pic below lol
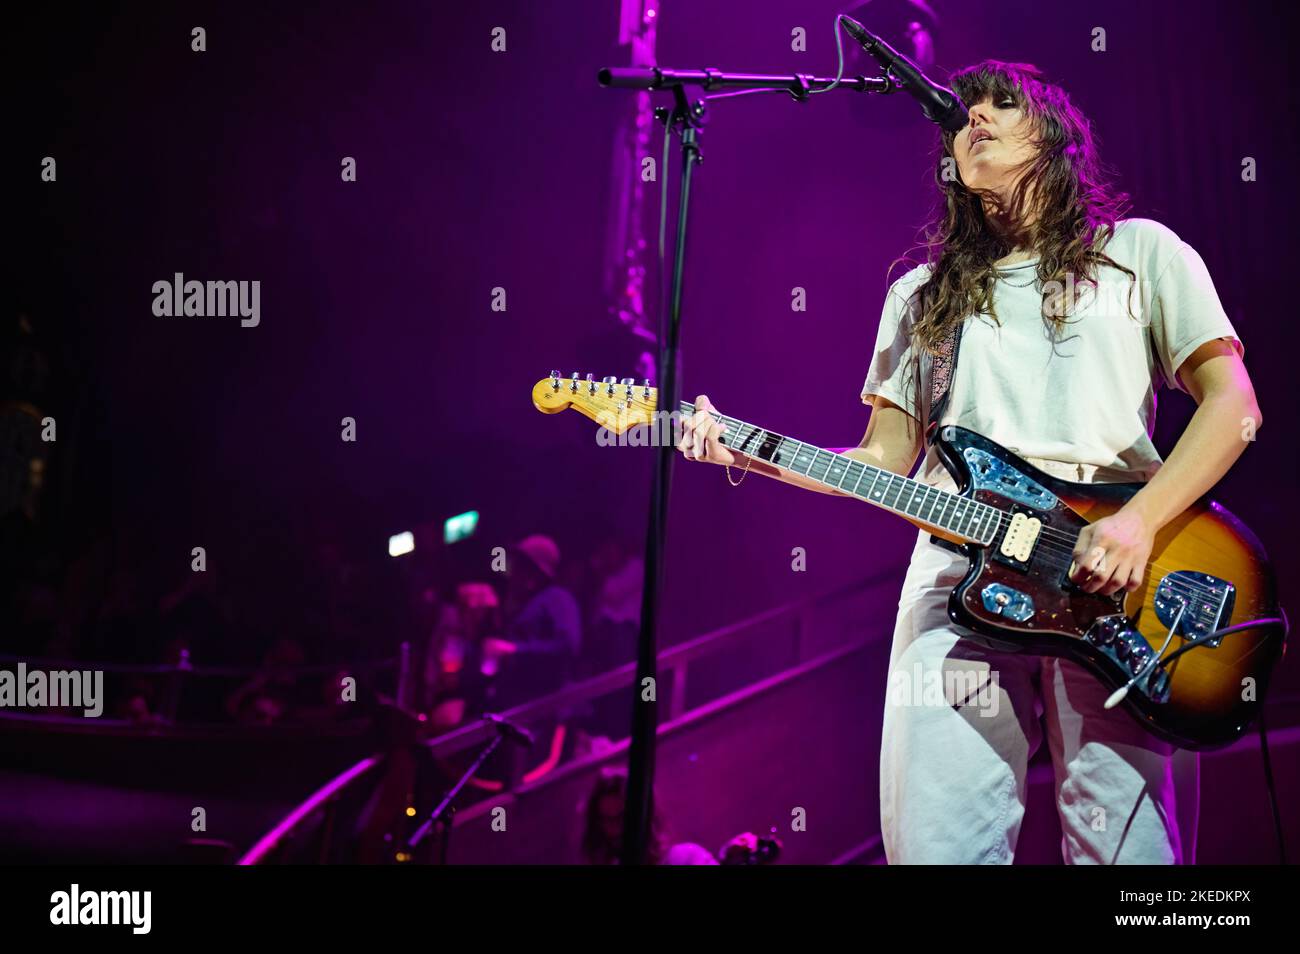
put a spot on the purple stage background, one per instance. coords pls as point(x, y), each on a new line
point(477, 170)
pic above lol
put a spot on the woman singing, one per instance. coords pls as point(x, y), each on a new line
point(1066, 317)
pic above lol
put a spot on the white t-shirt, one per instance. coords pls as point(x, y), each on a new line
point(1086, 395)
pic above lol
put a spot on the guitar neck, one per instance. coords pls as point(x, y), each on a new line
point(917, 502)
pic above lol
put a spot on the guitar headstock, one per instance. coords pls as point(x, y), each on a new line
point(612, 403)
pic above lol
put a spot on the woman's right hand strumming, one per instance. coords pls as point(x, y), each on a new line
point(701, 435)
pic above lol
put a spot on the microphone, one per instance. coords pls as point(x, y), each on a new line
point(510, 731)
point(940, 105)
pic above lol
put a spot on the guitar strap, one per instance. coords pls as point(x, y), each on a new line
point(942, 367)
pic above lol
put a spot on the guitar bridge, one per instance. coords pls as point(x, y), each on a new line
point(1208, 600)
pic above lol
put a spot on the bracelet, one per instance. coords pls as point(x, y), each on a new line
point(736, 483)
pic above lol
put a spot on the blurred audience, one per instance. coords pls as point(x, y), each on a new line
point(478, 645)
point(617, 572)
point(266, 696)
point(542, 639)
point(456, 672)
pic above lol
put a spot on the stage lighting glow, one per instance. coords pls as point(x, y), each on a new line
point(460, 526)
point(401, 543)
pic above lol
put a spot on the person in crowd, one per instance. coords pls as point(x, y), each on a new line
point(543, 631)
point(618, 573)
point(456, 672)
point(266, 697)
point(602, 837)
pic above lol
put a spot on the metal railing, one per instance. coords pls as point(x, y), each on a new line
point(674, 662)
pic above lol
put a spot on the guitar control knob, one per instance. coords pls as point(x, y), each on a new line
point(1121, 648)
point(1106, 631)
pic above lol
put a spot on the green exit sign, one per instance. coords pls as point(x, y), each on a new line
point(460, 526)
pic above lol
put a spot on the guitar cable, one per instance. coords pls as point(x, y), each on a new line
point(1280, 621)
point(1272, 792)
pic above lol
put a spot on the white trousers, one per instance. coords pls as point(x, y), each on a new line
point(961, 722)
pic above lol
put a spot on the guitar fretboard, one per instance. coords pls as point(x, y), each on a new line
point(910, 498)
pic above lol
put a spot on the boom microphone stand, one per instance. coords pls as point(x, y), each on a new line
point(687, 119)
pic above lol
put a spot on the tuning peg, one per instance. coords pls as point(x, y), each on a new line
point(591, 385)
point(608, 381)
point(627, 383)
point(555, 380)
point(573, 386)
point(646, 393)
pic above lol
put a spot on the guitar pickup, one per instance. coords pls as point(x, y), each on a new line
point(1018, 542)
point(1019, 539)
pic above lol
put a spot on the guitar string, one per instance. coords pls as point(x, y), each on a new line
point(1048, 533)
point(1065, 540)
point(1049, 545)
point(1180, 586)
point(740, 438)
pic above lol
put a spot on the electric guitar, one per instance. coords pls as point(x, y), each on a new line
point(1189, 653)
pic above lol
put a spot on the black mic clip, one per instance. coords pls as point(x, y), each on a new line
point(508, 730)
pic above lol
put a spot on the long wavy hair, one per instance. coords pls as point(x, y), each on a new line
point(600, 849)
point(1064, 182)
